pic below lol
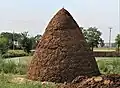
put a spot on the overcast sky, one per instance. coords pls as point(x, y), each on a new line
point(34, 15)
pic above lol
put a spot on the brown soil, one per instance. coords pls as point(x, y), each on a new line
point(62, 54)
point(109, 81)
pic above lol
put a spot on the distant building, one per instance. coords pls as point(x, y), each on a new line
point(112, 45)
point(16, 43)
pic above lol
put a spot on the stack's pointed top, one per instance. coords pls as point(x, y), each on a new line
point(63, 10)
point(62, 20)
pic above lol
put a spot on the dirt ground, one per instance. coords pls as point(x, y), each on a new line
point(103, 81)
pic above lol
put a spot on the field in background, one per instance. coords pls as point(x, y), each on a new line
point(24, 60)
point(105, 49)
point(107, 65)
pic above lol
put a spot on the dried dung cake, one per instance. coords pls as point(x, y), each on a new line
point(103, 81)
point(62, 54)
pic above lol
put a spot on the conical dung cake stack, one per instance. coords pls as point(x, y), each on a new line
point(62, 54)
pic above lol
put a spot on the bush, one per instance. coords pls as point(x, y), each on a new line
point(14, 53)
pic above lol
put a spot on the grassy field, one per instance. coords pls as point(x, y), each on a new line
point(107, 65)
point(105, 49)
point(24, 60)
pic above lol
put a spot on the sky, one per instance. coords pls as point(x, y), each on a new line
point(34, 15)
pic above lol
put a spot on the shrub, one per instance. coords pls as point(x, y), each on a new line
point(14, 53)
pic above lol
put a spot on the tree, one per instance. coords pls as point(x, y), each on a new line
point(38, 37)
point(117, 41)
point(26, 42)
point(15, 39)
point(35, 40)
point(92, 36)
point(3, 45)
point(12, 37)
point(102, 42)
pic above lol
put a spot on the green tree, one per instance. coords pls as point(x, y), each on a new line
point(11, 38)
point(3, 45)
point(117, 41)
point(93, 37)
point(26, 42)
point(35, 40)
point(102, 42)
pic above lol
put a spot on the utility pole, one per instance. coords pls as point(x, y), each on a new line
point(13, 40)
point(110, 37)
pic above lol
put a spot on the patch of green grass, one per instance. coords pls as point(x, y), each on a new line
point(109, 65)
point(10, 66)
point(8, 85)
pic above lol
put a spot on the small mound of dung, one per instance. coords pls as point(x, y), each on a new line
point(103, 81)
